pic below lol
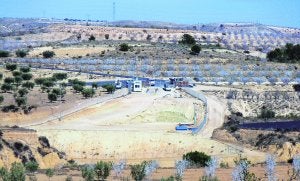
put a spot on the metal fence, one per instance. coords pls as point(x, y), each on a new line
point(201, 97)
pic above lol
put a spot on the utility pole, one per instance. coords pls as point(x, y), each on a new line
point(114, 11)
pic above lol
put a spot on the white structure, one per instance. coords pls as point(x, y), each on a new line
point(137, 86)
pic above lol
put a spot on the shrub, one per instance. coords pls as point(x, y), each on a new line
point(106, 36)
point(11, 67)
point(88, 173)
point(21, 53)
point(124, 47)
point(76, 81)
point(92, 38)
point(187, 40)
point(195, 49)
point(60, 76)
point(31, 166)
point(206, 178)
point(9, 80)
point(102, 169)
point(16, 73)
point(88, 92)
point(94, 85)
point(22, 92)
point(48, 83)
point(27, 76)
point(58, 91)
point(28, 85)
point(4, 53)
point(6, 87)
point(109, 88)
point(17, 172)
point(48, 54)
point(171, 178)
point(4, 174)
point(1, 76)
point(52, 97)
point(18, 80)
point(25, 69)
point(198, 159)
point(224, 165)
point(21, 101)
point(69, 178)
point(1, 98)
point(49, 173)
point(296, 87)
point(138, 171)
point(77, 87)
point(266, 113)
point(288, 54)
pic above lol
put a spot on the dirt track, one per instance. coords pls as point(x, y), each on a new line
point(128, 128)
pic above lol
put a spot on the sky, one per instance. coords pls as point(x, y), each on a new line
point(270, 12)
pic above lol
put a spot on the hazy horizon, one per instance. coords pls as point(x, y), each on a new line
point(271, 12)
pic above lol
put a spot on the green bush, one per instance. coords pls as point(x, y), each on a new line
point(266, 113)
point(4, 53)
point(25, 69)
point(60, 76)
point(88, 92)
point(187, 40)
point(6, 87)
point(102, 169)
point(198, 159)
point(17, 172)
point(22, 92)
point(49, 173)
point(48, 54)
point(224, 165)
point(109, 88)
point(77, 87)
point(52, 97)
point(21, 101)
point(88, 173)
point(171, 178)
point(18, 80)
point(1, 98)
point(31, 166)
point(16, 73)
point(94, 85)
point(11, 67)
point(28, 85)
point(124, 47)
point(48, 83)
point(288, 54)
point(21, 53)
point(195, 49)
point(92, 38)
point(76, 81)
point(138, 171)
point(9, 80)
point(26, 76)
point(4, 174)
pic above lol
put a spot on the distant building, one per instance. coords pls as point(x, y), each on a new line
point(137, 86)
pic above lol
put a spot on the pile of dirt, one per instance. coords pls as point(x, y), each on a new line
point(23, 145)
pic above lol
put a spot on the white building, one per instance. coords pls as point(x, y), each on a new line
point(137, 86)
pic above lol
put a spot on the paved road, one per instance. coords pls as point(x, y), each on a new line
point(87, 103)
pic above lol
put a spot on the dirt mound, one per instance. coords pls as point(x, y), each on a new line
point(23, 145)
